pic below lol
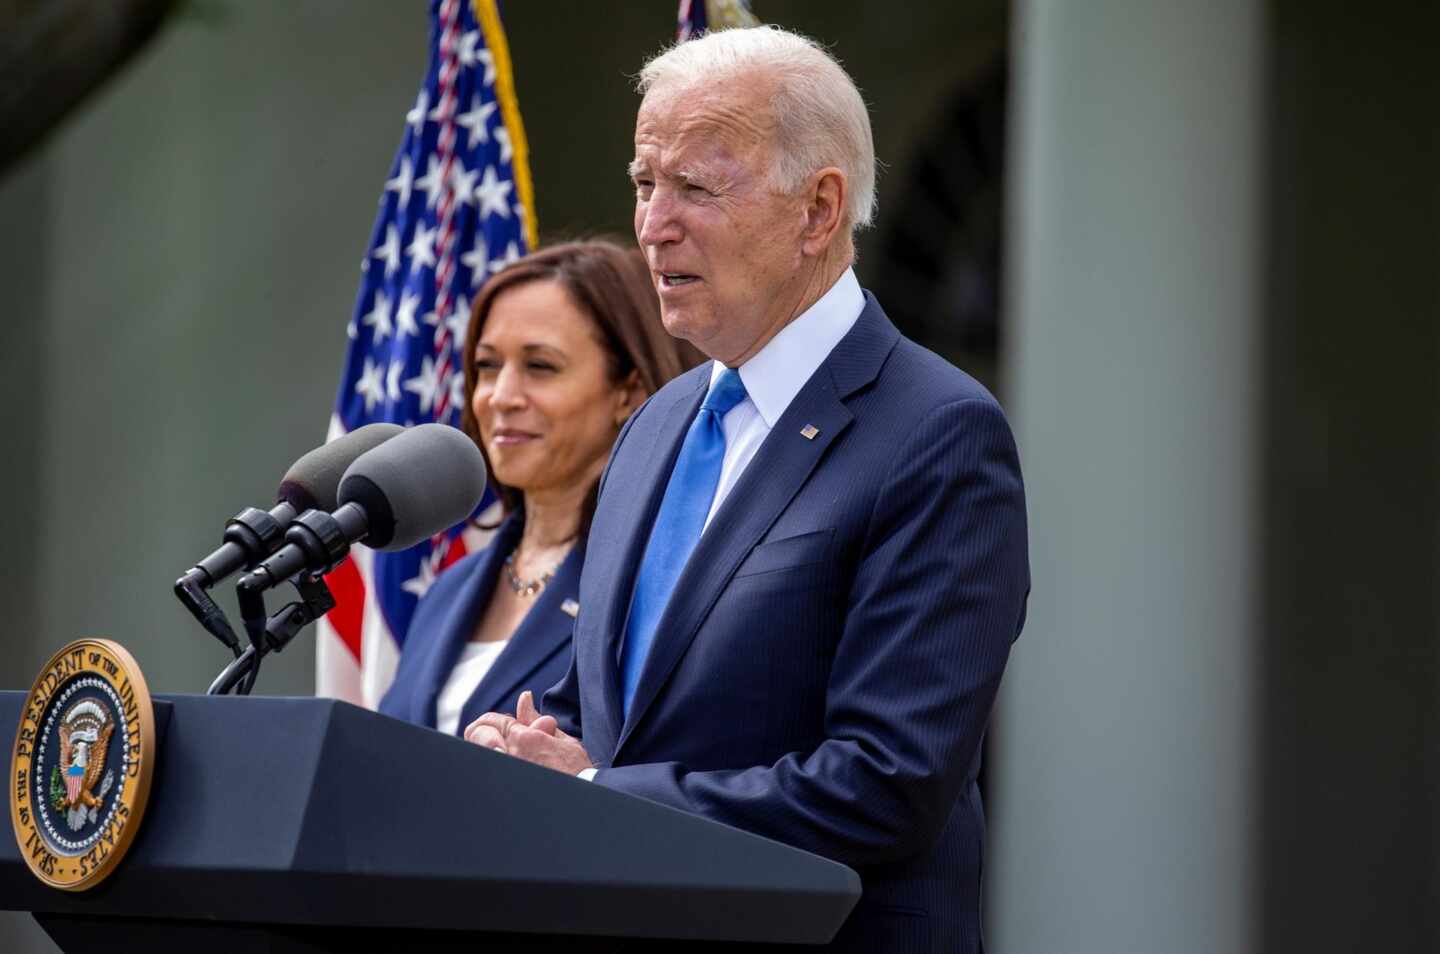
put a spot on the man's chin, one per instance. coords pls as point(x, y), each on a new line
point(682, 323)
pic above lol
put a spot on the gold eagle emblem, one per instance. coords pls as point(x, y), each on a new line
point(85, 730)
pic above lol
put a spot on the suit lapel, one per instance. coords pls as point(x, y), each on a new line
point(638, 497)
point(543, 631)
point(460, 622)
point(771, 480)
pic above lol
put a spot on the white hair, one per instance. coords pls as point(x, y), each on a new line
point(820, 117)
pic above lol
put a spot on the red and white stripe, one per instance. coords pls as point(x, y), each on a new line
point(445, 147)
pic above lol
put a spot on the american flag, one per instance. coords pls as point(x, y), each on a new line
point(697, 16)
point(457, 206)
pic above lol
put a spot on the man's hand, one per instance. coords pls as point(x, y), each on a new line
point(530, 736)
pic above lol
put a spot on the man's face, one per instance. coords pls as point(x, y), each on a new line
point(723, 246)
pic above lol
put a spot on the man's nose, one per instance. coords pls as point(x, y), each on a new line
point(657, 222)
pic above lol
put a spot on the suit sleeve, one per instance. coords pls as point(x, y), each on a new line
point(937, 599)
point(562, 700)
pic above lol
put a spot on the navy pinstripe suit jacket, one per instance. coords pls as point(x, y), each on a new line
point(824, 672)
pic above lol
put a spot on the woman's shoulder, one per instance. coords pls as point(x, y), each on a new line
point(448, 590)
point(468, 562)
point(455, 575)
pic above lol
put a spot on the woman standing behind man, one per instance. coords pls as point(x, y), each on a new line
point(562, 345)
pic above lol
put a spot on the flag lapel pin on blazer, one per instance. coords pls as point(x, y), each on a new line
point(809, 431)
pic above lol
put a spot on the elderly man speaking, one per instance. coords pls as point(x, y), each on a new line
point(808, 559)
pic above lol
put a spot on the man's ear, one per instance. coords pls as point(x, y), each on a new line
point(825, 201)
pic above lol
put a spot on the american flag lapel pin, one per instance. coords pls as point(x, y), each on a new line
point(570, 608)
point(809, 431)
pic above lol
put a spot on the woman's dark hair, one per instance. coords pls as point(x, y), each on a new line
point(611, 284)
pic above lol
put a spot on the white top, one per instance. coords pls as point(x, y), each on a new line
point(475, 661)
point(776, 374)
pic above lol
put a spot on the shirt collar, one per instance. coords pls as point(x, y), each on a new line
point(777, 372)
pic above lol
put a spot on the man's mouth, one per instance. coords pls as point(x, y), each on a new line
point(674, 279)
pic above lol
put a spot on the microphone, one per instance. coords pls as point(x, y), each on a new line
point(406, 490)
point(311, 482)
point(253, 534)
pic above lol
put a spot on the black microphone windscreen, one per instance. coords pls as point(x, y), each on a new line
point(421, 483)
point(313, 481)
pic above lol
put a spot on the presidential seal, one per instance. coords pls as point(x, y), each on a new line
point(82, 763)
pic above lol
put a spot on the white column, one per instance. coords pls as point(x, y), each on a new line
point(1121, 768)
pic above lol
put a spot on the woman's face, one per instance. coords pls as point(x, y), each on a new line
point(547, 410)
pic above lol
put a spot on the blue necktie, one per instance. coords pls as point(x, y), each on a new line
point(677, 526)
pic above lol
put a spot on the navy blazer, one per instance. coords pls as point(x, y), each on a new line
point(535, 659)
point(824, 671)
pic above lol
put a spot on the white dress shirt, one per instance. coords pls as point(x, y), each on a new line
point(776, 374)
point(772, 378)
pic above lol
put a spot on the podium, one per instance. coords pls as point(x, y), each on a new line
point(278, 824)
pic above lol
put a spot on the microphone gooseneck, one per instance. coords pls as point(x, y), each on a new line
point(253, 534)
point(395, 495)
